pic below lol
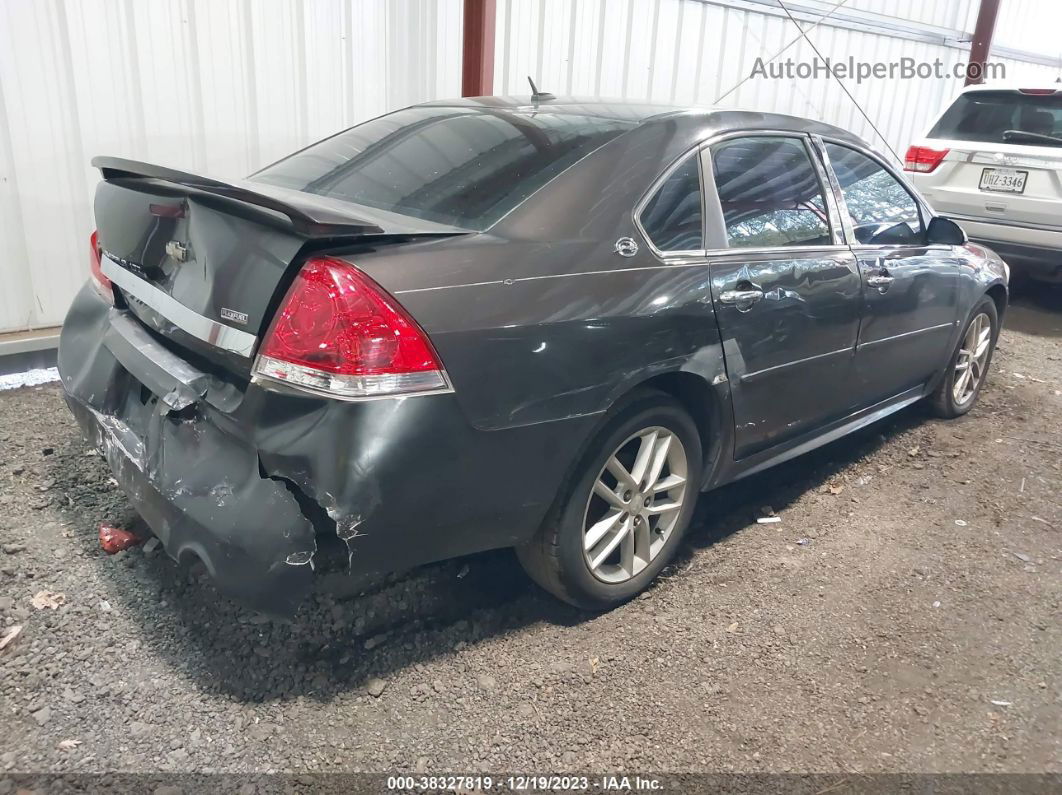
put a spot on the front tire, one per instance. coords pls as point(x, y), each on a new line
point(624, 510)
point(968, 366)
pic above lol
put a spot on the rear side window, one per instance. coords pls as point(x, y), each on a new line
point(672, 218)
point(459, 166)
point(770, 193)
point(883, 212)
point(1003, 117)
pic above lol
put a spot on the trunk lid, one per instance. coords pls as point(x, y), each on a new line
point(204, 263)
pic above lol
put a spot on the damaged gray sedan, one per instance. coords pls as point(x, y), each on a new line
point(489, 323)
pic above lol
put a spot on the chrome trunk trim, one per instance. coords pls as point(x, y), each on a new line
point(199, 326)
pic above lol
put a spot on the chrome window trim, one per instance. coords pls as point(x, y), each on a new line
point(199, 326)
point(835, 188)
point(838, 229)
point(829, 248)
point(636, 214)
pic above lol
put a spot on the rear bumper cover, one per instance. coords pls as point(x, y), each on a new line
point(260, 485)
point(247, 530)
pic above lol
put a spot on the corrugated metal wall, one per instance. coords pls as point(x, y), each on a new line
point(691, 51)
point(225, 86)
point(213, 86)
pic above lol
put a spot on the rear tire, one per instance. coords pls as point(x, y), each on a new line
point(968, 366)
point(610, 535)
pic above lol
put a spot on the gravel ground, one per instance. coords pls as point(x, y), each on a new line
point(903, 616)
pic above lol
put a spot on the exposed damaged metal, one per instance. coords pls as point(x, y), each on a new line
point(347, 531)
point(326, 530)
point(302, 558)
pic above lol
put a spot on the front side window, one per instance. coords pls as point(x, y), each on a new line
point(672, 218)
point(770, 193)
point(883, 212)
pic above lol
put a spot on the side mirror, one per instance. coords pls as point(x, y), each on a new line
point(945, 232)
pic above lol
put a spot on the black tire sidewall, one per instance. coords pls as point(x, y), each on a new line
point(986, 306)
point(574, 572)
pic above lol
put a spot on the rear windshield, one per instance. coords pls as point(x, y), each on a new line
point(1003, 117)
point(458, 166)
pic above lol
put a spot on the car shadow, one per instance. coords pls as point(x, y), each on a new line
point(334, 645)
point(731, 508)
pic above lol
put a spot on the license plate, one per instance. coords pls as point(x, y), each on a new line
point(1003, 180)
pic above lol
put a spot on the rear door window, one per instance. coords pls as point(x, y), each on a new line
point(458, 166)
point(770, 193)
point(882, 210)
point(1003, 117)
point(672, 218)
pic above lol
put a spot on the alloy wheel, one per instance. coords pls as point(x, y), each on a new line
point(973, 356)
point(634, 505)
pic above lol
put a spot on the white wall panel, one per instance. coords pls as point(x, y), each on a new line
point(696, 52)
point(692, 52)
point(226, 86)
point(221, 87)
point(1033, 25)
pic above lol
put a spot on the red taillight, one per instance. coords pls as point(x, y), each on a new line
point(923, 159)
point(1037, 92)
point(99, 281)
point(338, 333)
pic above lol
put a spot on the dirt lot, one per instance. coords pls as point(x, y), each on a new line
point(903, 616)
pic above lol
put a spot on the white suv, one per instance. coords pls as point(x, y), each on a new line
point(993, 162)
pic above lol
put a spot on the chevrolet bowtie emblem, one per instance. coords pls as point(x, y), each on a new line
point(177, 250)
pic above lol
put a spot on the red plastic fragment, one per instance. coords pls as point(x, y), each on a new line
point(114, 539)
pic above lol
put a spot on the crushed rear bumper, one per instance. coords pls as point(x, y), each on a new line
point(203, 496)
point(270, 489)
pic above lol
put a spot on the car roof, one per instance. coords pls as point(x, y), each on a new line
point(700, 120)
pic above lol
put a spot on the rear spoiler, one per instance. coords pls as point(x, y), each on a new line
point(307, 217)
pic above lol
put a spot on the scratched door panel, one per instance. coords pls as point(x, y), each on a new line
point(789, 355)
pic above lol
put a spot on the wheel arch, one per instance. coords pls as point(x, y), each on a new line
point(998, 293)
point(707, 404)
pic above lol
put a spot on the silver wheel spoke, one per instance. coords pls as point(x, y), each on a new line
point(659, 458)
point(668, 483)
point(643, 543)
point(627, 554)
point(601, 529)
point(609, 547)
point(620, 473)
point(645, 456)
point(660, 508)
point(960, 387)
point(608, 495)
